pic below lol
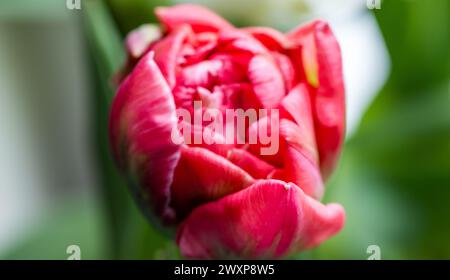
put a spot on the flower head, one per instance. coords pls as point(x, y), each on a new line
point(227, 190)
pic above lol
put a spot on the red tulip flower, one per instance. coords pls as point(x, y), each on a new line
point(228, 199)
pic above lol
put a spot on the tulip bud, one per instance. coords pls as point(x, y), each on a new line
point(229, 133)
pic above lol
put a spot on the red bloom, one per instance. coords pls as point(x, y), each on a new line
point(229, 199)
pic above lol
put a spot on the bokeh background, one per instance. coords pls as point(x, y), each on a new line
point(59, 187)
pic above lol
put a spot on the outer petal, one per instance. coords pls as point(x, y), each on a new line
point(300, 166)
point(141, 121)
point(202, 176)
point(269, 219)
point(319, 43)
point(300, 155)
point(198, 17)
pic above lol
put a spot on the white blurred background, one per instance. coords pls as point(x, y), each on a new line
point(45, 141)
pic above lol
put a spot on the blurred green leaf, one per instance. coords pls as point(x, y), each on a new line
point(105, 40)
point(417, 35)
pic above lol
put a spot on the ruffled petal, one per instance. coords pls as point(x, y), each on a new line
point(269, 219)
point(141, 122)
point(322, 63)
point(256, 167)
point(241, 43)
point(267, 81)
point(212, 72)
point(201, 46)
point(202, 176)
point(298, 105)
point(238, 96)
point(211, 140)
point(167, 52)
point(198, 17)
point(287, 70)
point(297, 157)
point(271, 38)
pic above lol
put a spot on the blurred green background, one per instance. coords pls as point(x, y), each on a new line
point(59, 186)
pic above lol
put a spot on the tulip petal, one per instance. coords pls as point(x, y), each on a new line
point(238, 95)
point(212, 72)
point(298, 105)
point(328, 100)
point(299, 165)
point(271, 38)
point(211, 140)
point(237, 41)
point(200, 74)
point(139, 40)
point(287, 70)
point(267, 127)
point(167, 52)
point(198, 17)
point(256, 167)
point(202, 176)
point(267, 81)
point(203, 45)
point(141, 122)
point(269, 219)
